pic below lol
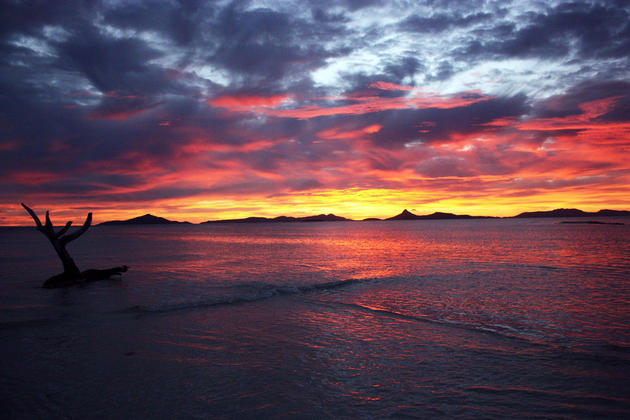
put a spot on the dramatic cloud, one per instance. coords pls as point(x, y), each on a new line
point(198, 110)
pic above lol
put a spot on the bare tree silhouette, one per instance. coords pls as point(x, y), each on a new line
point(71, 273)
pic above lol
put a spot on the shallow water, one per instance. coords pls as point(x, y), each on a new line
point(480, 318)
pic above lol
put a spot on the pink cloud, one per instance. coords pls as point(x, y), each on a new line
point(246, 102)
point(390, 86)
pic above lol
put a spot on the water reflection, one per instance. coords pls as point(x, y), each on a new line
point(360, 250)
point(536, 279)
point(498, 318)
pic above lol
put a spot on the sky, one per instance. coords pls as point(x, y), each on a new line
point(201, 110)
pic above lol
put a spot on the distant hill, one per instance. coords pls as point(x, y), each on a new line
point(323, 218)
point(591, 222)
point(407, 215)
point(612, 213)
point(574, 213)
point(284, 219)
point(147, 219)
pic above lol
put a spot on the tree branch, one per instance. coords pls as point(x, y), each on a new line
point(49, 226)
point(63, 230)
point(81, 231)
point(34, 216)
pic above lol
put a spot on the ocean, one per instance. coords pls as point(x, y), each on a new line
point(491, 318)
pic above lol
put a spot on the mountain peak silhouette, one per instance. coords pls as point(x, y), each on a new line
point(147, 219)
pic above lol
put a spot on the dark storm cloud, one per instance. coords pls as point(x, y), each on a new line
point(404, 67)
point(29, 17)
point(181, 21)
point(359, 83)
point(111, 64)
point(87, 144)
point(321, 15)
point(44, 86)
point(620, 111)
point(442, 22)
point(258, 43)
point(351, 5)
point(443, 72)
point(396, 71)
point(570, 103)
point(460, 6)
point(269, 44)
point(591, 30)
point(432, 124)
point(121, 107)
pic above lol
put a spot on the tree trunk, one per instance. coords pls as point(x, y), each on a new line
point(69, 266)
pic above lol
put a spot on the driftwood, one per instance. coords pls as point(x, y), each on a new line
point(71, 274)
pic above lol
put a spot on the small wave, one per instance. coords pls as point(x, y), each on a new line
point(614, 353)
point(248, 292)
point(494, 329)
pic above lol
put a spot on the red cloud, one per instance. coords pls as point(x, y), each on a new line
point(336, 133)
point(245, 102)
point(25, 177)
point(8, 145)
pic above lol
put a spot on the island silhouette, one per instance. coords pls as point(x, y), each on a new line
point(149, 219)
point(407, 215)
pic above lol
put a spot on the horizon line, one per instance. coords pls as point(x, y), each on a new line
point(411, 214)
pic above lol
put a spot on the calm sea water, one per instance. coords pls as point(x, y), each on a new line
point(481, 318)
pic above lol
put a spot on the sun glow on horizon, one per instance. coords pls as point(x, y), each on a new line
point(353, 204)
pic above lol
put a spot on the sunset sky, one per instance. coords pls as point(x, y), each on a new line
point(210, 110)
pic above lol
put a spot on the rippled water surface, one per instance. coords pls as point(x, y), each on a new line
point(480, 318)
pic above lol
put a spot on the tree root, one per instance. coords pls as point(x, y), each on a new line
point(66, 280)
